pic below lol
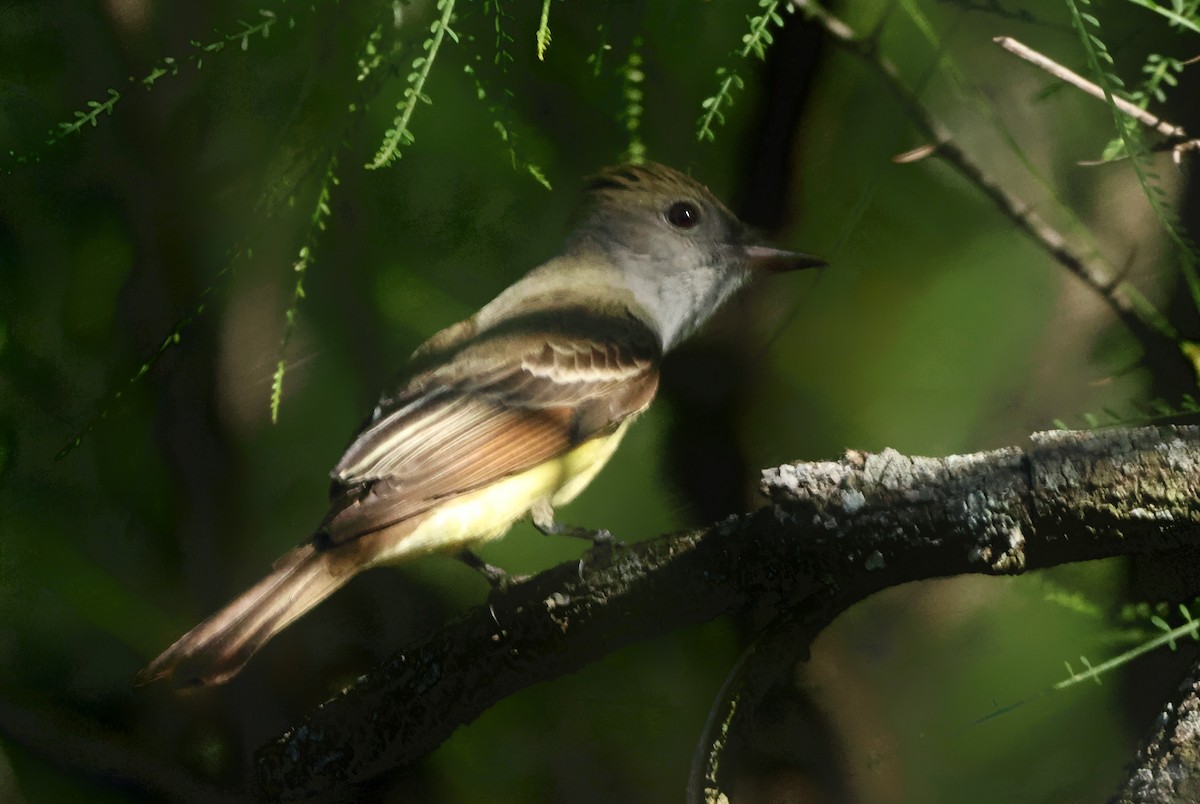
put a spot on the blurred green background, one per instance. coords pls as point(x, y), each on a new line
point(939, 329)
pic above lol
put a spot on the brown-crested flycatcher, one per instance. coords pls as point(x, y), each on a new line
point(512, 411)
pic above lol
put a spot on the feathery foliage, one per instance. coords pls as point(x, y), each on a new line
point(172, 339)
point(603, 48)
point(543, 31)
point(371, 56)
point(1160, 72)
point(755, 42)
point(167, 66)
point(1154, 411)
point(317, 220)
point(501, 111)
point(399, 135)
point(1168, 637)
point(632, 78)
point(1184, 13)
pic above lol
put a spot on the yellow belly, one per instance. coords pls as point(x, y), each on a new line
point(488, 513)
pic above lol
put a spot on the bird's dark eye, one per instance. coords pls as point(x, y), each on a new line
point(683, 214)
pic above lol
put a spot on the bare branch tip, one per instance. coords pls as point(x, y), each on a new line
point(915, 155)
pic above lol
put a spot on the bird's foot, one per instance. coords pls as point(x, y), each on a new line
point(543, 520)
point(499, 579)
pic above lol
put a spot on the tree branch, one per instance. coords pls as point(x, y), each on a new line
point(1044, 62)
point(834, 533)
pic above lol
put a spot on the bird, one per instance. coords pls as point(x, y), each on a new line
point(511, 412)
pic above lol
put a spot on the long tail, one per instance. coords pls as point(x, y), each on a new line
point(215, 650)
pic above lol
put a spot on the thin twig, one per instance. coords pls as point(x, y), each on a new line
point(1178, 142)
point(1076, 80)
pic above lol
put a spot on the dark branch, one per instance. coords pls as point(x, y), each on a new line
point(834, 533)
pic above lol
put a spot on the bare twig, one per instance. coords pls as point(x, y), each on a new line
point(835, 533)
point(1177, 142)
point(1076, 80)
point(1158, 338)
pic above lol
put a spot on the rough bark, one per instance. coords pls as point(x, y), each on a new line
point(833, 533)
point(1167, 769)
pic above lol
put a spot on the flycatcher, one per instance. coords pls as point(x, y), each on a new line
point(512, 411)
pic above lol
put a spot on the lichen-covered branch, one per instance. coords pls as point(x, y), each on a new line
point(834, 533)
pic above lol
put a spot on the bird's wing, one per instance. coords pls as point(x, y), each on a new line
point(486, 414)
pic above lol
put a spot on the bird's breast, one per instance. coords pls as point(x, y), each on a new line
point(487, 513)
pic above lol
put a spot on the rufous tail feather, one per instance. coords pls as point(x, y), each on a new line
point(218, 648)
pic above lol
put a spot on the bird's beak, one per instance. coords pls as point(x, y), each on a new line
point(776, 260)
